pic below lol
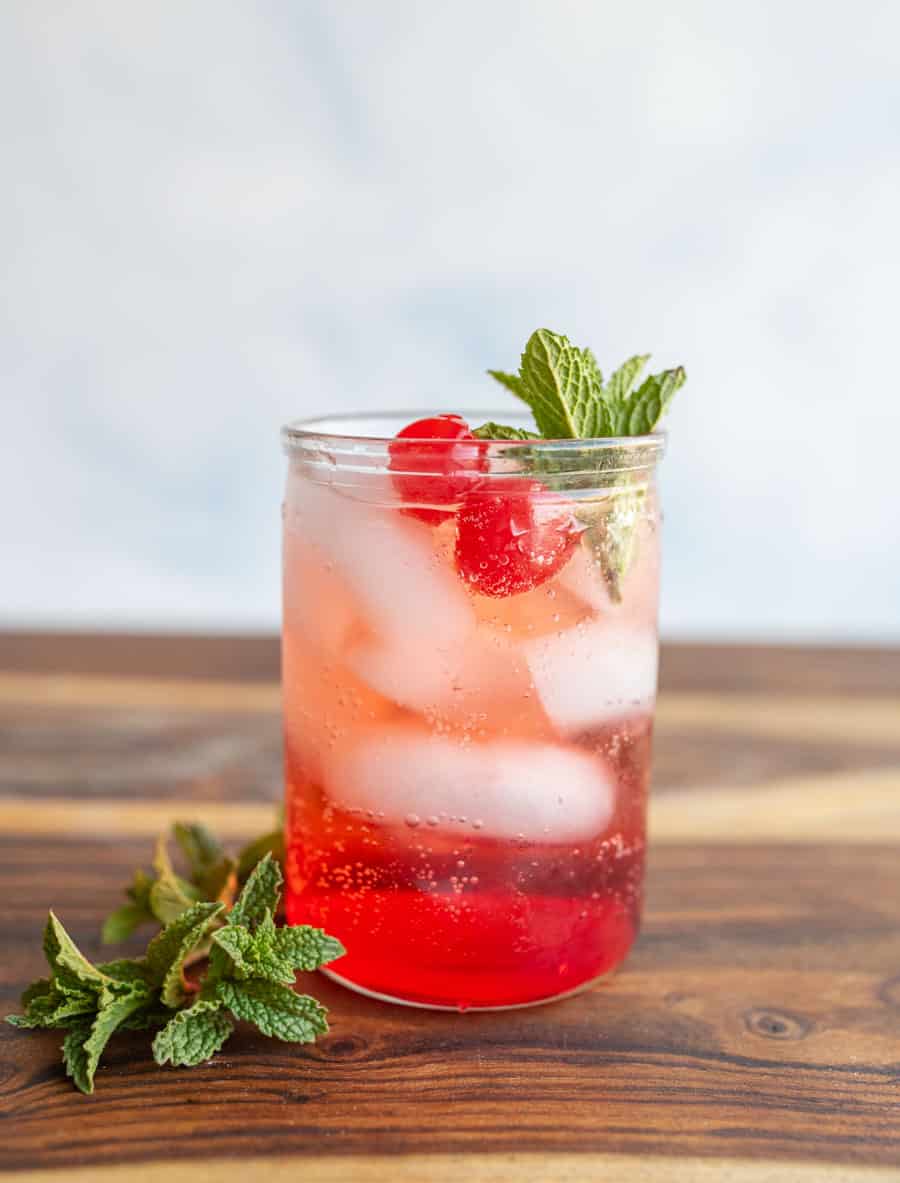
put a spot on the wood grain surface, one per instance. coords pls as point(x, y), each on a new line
point(752, 1036)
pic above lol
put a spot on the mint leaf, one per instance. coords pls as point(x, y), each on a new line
point(558, 381)
point(612, 533)
point(275, 1010)
point(115, 1010)
point(496, 431)
point(153, 1014)
point(120, 924)
point(307, 948)
point(52, 1007)
point(170, 895)
point(512, 382)
point(260, 895)
point(127, 970)
point(238, 943)
point(85, 1042)
point(72, 972)
point(271, 843)
point(168, 951)
point(619, 386)
point(75, 1057)
point(563, 385)
point(593, 369)
point(648, 405)
point(193, 1035)
point(275, 954)
point(201, 848)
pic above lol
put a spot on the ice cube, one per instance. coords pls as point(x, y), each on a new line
point(468, 676)
point(583, 578)
point(500, 789)
point(594, 673)
point(388, 562)
point(317, 603)
point(325, 705)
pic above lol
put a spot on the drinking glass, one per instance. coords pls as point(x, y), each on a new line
point(469, 670)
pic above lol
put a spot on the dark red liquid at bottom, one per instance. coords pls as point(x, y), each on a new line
point(572, 917)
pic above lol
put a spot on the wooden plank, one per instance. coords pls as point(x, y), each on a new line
point(752, 1036)
point(721, 668)
point(152, 655)
point(758, 1018)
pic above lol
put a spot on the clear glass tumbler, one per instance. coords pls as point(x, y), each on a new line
point(469, 668)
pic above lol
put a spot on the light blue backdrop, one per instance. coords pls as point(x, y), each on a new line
point(219, 215)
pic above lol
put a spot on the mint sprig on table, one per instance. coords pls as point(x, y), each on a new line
point(564, 388)
point(250, 967)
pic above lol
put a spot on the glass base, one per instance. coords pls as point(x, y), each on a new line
point(366, 992)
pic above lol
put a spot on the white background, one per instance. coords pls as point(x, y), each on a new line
point(215, 216)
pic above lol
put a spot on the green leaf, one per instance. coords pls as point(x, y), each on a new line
point(219, 880)
point(201, 848)
point(307, 948)
point(276, 1010)
point(167, 952)
point(139, 891)
point(512, 382)
point(593, 370)
point(237, 942)
point(150, 1015)
point(119, 925)
point(496, 431)
point(76, 1058)
point(255, 954)
point(168, 900)
point(83, 1046)
point(128, 969)
point(38, 992)
point(618, 388)
point(193, 1035)
point(71, 969)
point(612, 534)
point(558, 381)
point(260, 894)
point(564, 387)
point(52, 1007)
point(274, 954)
point(271, 843)
point(651, 401)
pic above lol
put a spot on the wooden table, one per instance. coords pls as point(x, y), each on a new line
point(753, 1035)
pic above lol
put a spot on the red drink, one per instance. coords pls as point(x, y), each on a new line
point(468, 739)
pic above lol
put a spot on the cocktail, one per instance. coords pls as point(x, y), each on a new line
point(469, 668)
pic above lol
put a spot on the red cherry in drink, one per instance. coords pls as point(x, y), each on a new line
point(513, 536)
point(435, 461)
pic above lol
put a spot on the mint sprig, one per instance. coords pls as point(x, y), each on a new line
point(213, 875)
point(249, 976)
point(564, 388)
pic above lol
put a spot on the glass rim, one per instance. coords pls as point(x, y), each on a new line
point(299, 434)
